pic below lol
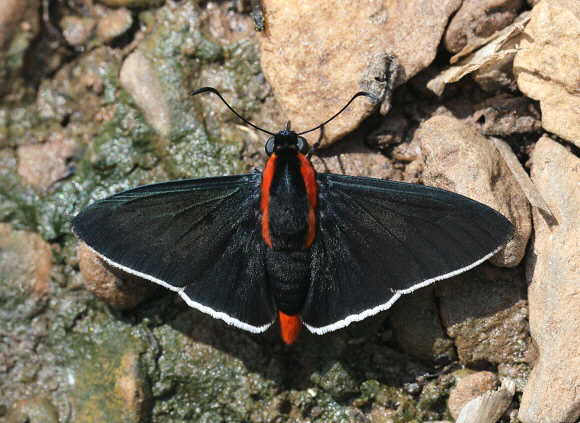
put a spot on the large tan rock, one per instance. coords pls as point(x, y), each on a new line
point(553, 270)
point(460, 159)
point(316, 55)
point(546, 65)
point(112, 285)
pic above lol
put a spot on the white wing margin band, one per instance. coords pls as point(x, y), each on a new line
point(213, 313)
point(372, 311)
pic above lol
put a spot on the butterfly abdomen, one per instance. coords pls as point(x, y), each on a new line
point(288, 227)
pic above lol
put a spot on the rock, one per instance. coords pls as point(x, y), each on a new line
point(546, 65)
point(112, 285)
point(114, 24)
point(33, 410)
point(478, 19)
point(132, 387)
point(506, 115)
point(41, 165)
point(158, 75)
point(489, 61)
point(485, 312)
point(12, 14)
point(315, 53)
point(25, 261)
point(109, 381)
point(457, 158)
point(19, 25)
point(520, 174)
point(516, 372)
point(498, 76)
point(418, 329)
point(352, 158)
point(132, 3)
point(77, 30)
point(139, 78)
point(77, 92)
point(391, 131)
point(552, 393)
point(488, 407)
point(469, 387)
point(337, 380)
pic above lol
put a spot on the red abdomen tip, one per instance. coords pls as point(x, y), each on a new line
point(289, 327)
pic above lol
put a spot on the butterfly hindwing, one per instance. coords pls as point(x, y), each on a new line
point(199, 237)
point(379, 239)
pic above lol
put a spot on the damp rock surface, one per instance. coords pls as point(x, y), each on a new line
point(79, 121)
point(485, 313)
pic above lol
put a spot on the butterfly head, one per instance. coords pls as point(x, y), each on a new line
point(287, 142)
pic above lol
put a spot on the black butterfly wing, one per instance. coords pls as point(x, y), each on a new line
point(199, 237)
point(380, 239)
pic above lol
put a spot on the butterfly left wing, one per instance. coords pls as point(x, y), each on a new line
point(198, 237)
point(378, 239)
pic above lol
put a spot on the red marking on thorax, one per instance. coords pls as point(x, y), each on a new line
point(266, 182)
point(309, 176)
point(289, 327)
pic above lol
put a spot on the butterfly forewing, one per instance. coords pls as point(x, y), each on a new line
point(379, 239)
point(200, 237)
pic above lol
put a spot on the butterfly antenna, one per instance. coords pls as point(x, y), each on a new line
point(216, 92)
point(360, 93)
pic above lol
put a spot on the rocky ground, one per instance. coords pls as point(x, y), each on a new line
point(478, 97)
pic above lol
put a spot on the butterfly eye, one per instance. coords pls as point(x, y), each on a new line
point(270, 146)
point(303, 146)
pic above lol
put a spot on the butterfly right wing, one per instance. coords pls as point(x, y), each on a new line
point(378, 239)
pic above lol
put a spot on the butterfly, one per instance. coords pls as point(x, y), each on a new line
point(318, 250)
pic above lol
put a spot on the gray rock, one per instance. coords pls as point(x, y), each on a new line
point(418, 328)
point(504, 116)
point(552, 393)
point(459, 159)
point(139, 78)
